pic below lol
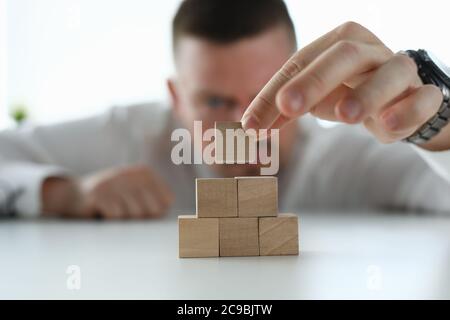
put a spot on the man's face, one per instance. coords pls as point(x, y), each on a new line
point(216, 82)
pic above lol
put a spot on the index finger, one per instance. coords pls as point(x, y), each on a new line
point(262, 111)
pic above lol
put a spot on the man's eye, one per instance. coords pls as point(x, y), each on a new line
point(215, 102)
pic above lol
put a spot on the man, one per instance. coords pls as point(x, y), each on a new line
point(118, 165)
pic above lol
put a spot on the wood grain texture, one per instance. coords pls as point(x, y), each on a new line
point(237, 154)
point(216, 197)
point(278, 235)
point(198, 238)
point(257, 196)
point(238, 237)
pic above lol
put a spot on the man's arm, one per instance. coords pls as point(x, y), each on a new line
point(357, 171)
point(402, 176)
point(72, 169)
point(124, 192)
point(28, 157)
point(62, 196)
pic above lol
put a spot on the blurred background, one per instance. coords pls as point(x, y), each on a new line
point(66, 59)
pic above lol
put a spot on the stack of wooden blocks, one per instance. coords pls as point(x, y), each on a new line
point(237, 217)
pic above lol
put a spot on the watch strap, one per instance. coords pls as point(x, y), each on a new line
point(429, 73)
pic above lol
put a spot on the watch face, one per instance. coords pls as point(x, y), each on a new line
point(439, 64)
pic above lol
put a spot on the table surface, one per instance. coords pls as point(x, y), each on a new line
point(359, 255)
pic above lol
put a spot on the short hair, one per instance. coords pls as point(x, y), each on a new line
point(226, 21)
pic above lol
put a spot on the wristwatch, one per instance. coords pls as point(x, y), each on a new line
point(431, 71)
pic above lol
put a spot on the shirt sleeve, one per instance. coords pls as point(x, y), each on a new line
point(400, 176)
point(438, 161)
point(30, 155)
point(22, 184)
point(345, 167)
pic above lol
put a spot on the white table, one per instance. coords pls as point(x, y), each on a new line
point(358, 255)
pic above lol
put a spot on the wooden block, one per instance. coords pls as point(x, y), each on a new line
point(198, 238)
point(278, 235)
point(216, 197)
point(239, 153)
point(238, 237)
point(257, 196)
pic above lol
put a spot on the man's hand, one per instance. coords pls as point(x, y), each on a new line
point(349, 75)
point(132, 192)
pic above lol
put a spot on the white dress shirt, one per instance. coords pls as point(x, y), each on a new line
point(338, 168)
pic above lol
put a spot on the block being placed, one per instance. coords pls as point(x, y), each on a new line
point(216, 197)
point(257, 196)
point(198, 238)
point(234, 147)
point(278, 235)
point(238, 237)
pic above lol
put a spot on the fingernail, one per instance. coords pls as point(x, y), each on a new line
point(391, 121)
point(250, 123)
point(350, 110)
point(295, 101)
